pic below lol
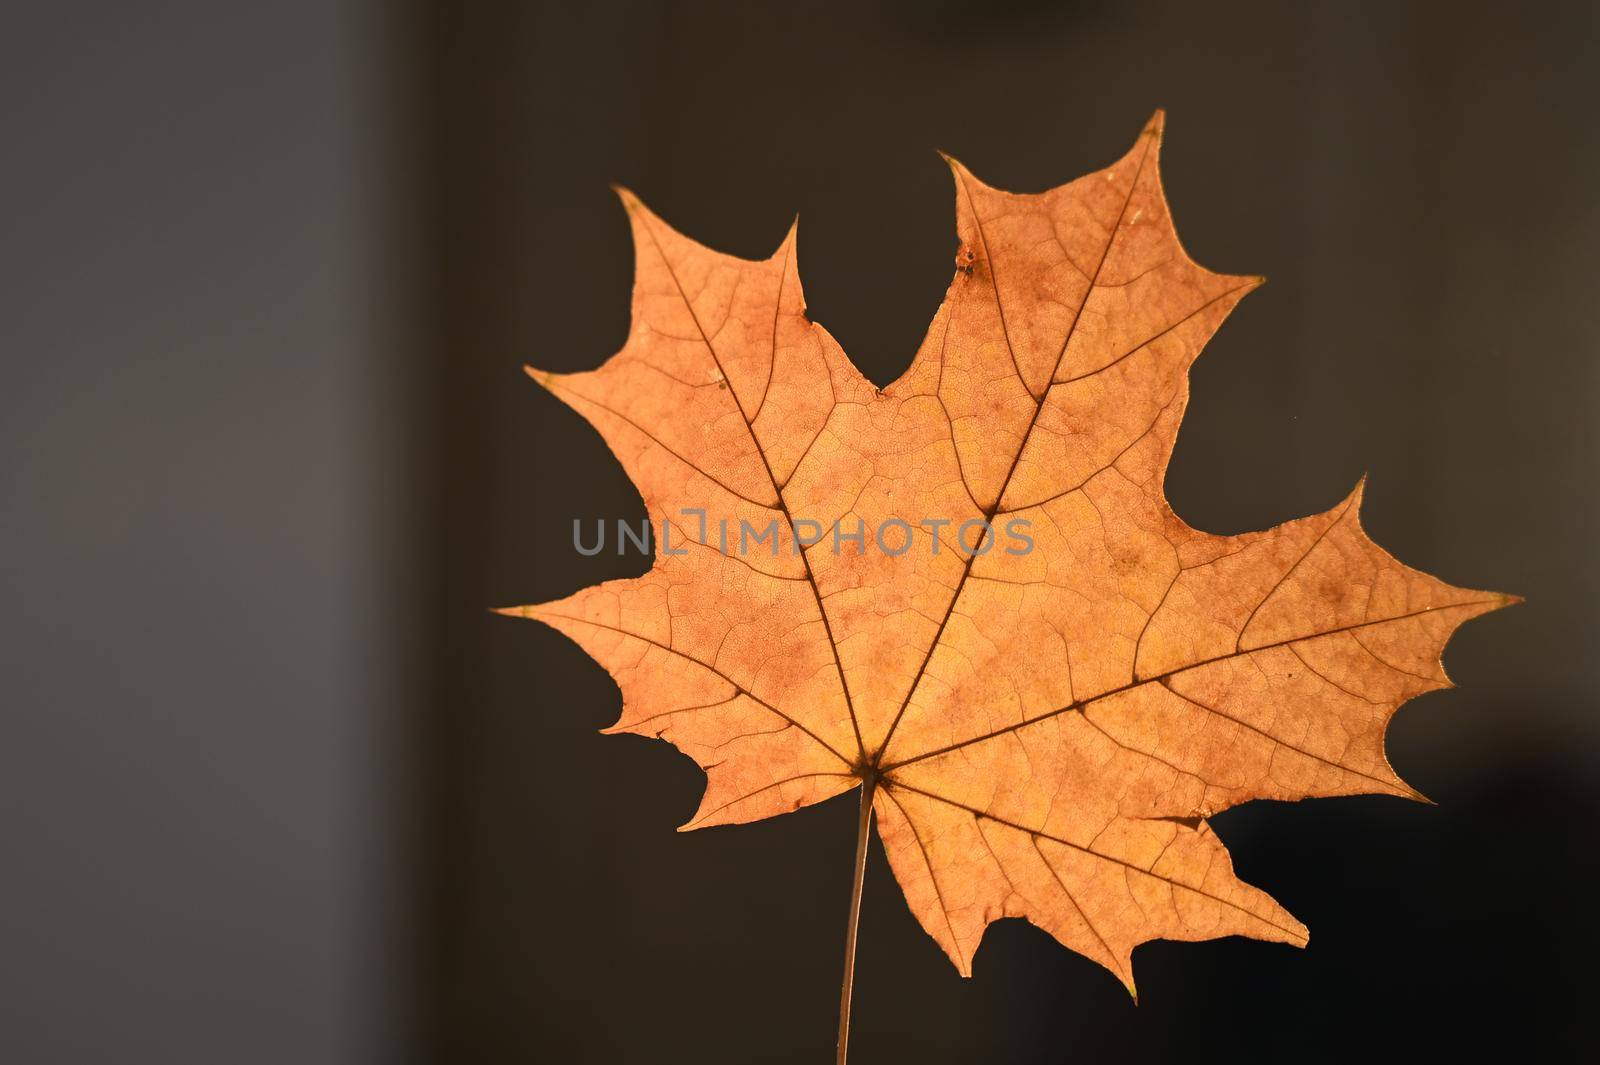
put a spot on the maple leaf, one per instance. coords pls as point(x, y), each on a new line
point(1039, 733)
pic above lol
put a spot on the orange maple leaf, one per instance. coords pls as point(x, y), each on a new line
point(1040, 732)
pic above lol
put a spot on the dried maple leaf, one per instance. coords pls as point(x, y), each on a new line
point(1040, 733)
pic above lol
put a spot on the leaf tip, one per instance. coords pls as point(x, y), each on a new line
point(630, 202)
point(544, 378)
point(1409, 792)
point(790, 236)
point(957, 167)
point(1156, 124)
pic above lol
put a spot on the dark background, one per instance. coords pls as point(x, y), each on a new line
point(274, 785)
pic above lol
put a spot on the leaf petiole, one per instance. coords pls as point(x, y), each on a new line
point(847, 985)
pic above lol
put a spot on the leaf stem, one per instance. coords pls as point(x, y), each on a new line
point(863, 827)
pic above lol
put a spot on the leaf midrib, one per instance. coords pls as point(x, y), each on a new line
point(1027, 436)
point(777, 489)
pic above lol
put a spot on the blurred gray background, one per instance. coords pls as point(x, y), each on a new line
point(275, 787)
point(204, 492)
